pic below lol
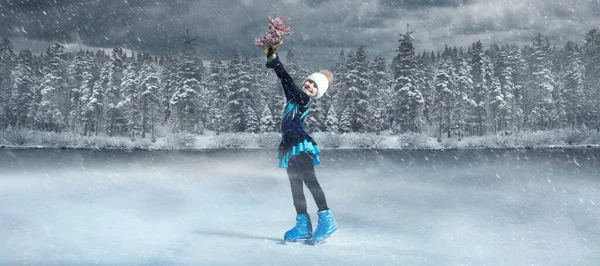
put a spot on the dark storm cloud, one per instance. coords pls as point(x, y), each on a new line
point(419, 4)
point(322, 27)
point(316, 3)
point(97, 23)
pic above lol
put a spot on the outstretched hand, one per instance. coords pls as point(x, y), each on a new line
point(271, 57)
point(270, 51)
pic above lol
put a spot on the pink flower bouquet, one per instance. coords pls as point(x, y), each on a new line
point(274, 36)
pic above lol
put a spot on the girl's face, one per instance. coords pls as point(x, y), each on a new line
point(310, 87)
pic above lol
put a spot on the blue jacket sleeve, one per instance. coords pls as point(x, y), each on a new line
point(291, 90)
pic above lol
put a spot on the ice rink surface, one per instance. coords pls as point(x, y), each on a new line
point(460, 207)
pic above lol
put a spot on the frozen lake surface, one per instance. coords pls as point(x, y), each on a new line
point(471, 207)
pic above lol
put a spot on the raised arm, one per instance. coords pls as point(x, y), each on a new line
point(291, 90)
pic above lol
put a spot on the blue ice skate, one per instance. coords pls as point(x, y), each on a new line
point(302, 230)
point(326, 227)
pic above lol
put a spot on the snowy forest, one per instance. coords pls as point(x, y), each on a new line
point(460, 91)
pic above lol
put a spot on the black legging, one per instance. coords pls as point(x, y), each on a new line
point(301, 170)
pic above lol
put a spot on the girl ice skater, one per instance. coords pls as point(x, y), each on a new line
point(299, 153)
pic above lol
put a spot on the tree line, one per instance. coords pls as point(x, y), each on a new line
point(451, 93)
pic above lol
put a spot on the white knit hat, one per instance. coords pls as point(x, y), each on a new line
point(322, 83)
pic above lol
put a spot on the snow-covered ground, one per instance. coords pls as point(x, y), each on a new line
point(22, 138)
point(473, 207)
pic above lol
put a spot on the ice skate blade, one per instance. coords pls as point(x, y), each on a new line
point(324, 240)
point(297, 241)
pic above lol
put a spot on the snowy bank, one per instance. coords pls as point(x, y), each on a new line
point(564, 138)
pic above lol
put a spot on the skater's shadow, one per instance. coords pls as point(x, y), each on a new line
point(239, 235)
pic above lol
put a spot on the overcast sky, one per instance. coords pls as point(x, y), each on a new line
point(322, 28)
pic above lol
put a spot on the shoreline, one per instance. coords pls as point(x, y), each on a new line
point(551, 147)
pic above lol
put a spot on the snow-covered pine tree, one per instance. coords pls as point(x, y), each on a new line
point(251, 119)
point(331, 122)
point(217, 93)
point(518, 73)
point(557, 110)
point(407, 98)
point(358, 92)
point(541, 86)
point(591, 55)
point(7, 61)
point(379, 120)
point(115, 117)
point(380, 80)
point(131, 98)
point(428, 68)
point(89, 76)
point(96, 107)
point(478, 116)
point(503, 110)
point(54, 91)
point(267, 124)
point(184, 106)
point(149, 100)
point(345, 122)
point(489, 79)
point(409, 108)
point(497, 105)
point(258, 90)
point(573, 79)
point(238, 93)
point(558, 114)
point(169, 82)
point(404, 63)
point(185, 101)
point(293, 67)
point(87, 90)
point(445, 98)
point(23, 81)
point(337, 92)
point(75, 71)
point(464, 89)
point(315, 122)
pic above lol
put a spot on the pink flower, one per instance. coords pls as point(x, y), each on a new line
point(278, 25)
point(277, 30)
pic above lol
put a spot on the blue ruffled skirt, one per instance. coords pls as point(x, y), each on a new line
point(304, 146)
